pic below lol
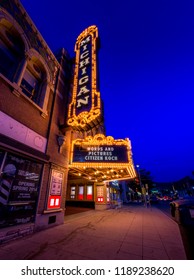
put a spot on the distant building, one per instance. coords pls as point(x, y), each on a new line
point(163, 187)
point(184, 186)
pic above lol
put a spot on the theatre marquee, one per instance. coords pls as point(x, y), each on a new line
point(101, 158)
point(100, 153)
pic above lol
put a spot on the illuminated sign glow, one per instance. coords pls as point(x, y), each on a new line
point(102, 158)
point(83, 96)
point(101, 149)
point(54, 202)
point(100, 154)
point(85, 107)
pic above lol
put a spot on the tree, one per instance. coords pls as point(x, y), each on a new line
point(146, 177)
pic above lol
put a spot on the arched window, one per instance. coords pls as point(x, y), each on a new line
point(11, 49)
point(33, 80)
point(22, 65)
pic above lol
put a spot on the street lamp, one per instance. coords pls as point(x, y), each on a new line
point(139, 175)
point(144, 189)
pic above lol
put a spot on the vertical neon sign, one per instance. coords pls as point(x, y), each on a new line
point(85, 107)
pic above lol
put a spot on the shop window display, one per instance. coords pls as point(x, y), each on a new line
point(81, 193)
point(89, 192)
point(19, 189)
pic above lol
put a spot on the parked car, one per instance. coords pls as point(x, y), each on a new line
point(154, 198)
point(165, 198)
point(182, 210)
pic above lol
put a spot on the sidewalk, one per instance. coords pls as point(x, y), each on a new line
point(129, 233)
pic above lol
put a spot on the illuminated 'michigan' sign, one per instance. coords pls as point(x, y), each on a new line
point(85, 107)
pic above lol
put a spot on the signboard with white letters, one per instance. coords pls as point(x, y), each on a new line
point(102, 153)
point(85, 106)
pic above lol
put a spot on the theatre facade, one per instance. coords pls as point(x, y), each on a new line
point(96, 166)
point(96, 160)
point(54, 151)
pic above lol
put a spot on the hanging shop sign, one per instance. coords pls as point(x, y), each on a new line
point(85, 107)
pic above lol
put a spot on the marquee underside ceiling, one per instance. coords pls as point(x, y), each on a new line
point(102, 173)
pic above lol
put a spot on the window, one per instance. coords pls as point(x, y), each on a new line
point(19, 189)
point(23, 66)
point(33, 80)
point(8, 62)
point(81, 193)
point(30, 85)
point(72, 192)
point(11, 50)
point(89, 192)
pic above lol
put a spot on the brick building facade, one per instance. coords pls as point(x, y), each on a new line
point(34, 88)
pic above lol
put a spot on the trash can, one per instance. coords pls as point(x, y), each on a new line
point(182, 211)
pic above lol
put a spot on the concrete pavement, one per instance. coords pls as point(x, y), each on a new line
point(132, 232)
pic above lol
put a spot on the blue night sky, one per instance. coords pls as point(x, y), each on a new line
point(146, 72)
